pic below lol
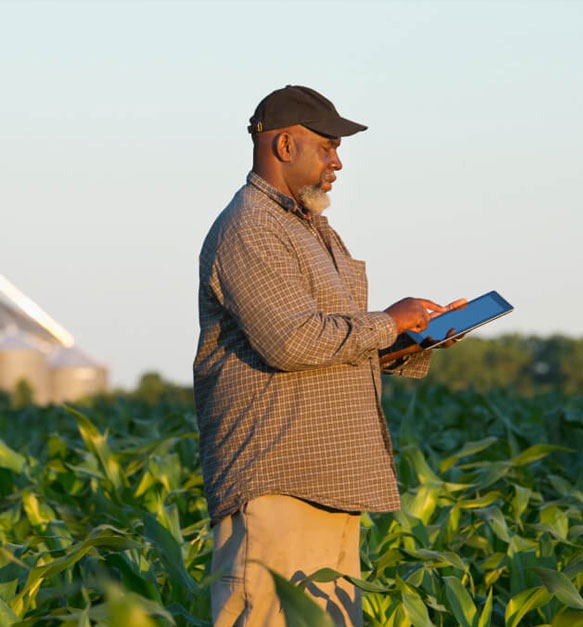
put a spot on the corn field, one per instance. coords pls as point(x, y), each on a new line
point(103, 519)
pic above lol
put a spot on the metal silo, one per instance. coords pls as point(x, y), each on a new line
point(73, 375)
point(22, 358)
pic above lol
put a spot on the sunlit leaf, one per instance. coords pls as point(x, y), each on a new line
point(423, 504)
point(103, 536)
point(482, 501)
point(7, 615)
point(416, 610)
point(38, 513)
point(420, 465)
point(557, 519)
point(461, 602)
point(11, 459)
point(127, 609)
point(524, 602)
point(486, 614)
point(520, 501)
point(493, 561)
point(536, 452)
point(97, 444)
point(469, 448)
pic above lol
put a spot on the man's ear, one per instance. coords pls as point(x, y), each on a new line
point(284, 146)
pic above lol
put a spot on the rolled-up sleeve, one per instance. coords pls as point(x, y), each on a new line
point(257, 278)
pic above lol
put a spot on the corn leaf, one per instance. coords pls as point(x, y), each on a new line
point(482, 501)
point(520, 501)
point(324, 575)
point(536, 452)
point(442, 558)
point(299, 609)
point(7, 615)
point(178, 610)
point(486, 614)
point(97, 444)
point(469, 448)
point(128, 609)
point(425, 501)
point(524, 602)
point(461, 603)
point(424, 472)
point(169, 551)
point(497, 522)
point(568, 619)
point(143, 583)
point(561, 586)
point(11, 459)
point(416, 610)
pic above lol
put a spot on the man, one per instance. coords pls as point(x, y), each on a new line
point(293, 440)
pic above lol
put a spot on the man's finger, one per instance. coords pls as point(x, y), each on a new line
point(429, 304)
point(457, 304)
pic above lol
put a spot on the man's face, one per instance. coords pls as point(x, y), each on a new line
point(313, 169)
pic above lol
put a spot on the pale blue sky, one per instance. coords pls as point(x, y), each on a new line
point(123, 134)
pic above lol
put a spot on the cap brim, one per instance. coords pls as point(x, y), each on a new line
point(335, 127)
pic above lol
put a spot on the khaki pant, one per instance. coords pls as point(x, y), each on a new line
point(294, 539)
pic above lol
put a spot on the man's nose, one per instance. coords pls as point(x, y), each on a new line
point(336, 163)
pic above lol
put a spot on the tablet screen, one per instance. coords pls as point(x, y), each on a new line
point(476, 313)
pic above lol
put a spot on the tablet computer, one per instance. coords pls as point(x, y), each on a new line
point(477, 312)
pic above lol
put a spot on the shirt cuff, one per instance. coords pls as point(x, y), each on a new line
point(415, 366)
point(378, 328)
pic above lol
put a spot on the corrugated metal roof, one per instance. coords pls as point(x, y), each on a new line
point(13, 318)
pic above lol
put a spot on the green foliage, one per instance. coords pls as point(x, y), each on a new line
point(153, 390)
point(528, 364)
point(150, 388)
point(492, 510)
point(103, 519)
point(22, 394)
point(299, 609)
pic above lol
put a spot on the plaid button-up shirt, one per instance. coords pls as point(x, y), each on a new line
point(287, 374)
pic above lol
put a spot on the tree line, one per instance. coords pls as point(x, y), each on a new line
point(527, 364)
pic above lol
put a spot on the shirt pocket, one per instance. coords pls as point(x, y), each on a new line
point(357, 282)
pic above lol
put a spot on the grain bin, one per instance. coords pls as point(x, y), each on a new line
point(21, 358)
point(74, 375)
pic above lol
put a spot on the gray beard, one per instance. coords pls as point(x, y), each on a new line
point(314, 199)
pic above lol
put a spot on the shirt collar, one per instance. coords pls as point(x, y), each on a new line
point(280, 198)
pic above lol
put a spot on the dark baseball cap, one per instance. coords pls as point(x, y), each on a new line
point(295, 104)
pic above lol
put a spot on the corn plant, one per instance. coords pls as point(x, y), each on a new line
point(103, 519)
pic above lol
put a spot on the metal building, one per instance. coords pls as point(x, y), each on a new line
point(22, 359)
point(36, 349)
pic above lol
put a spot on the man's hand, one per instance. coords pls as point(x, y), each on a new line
point(413, 311)
point(457, 304)
point(411, 314)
